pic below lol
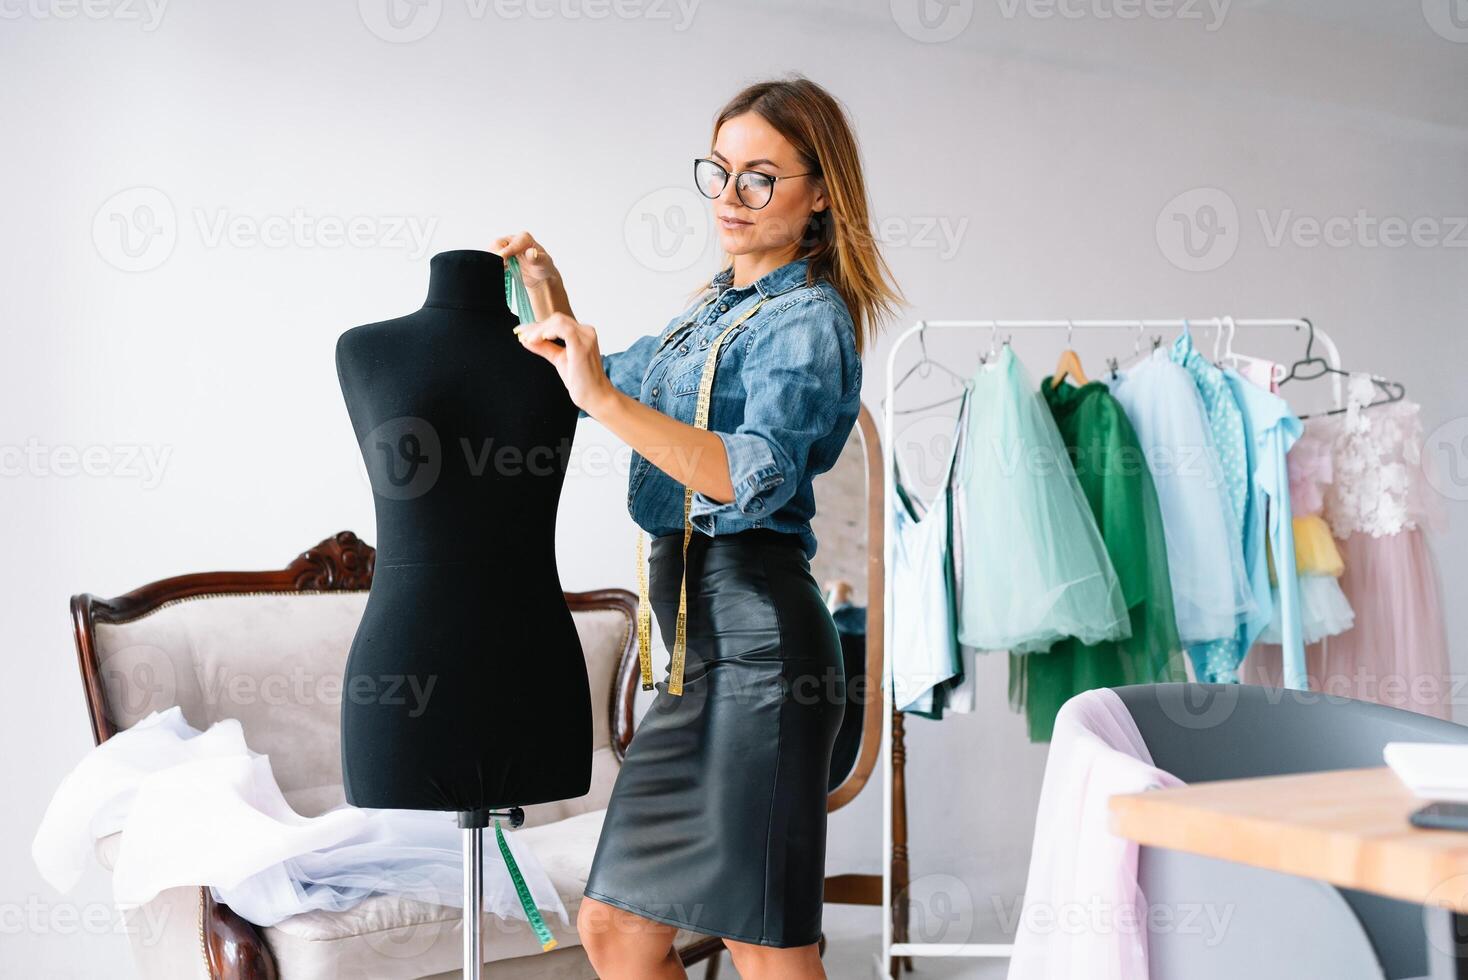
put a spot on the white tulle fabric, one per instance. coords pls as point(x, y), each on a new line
point(1084, 914)
point(202, 808)
point(1324, 611)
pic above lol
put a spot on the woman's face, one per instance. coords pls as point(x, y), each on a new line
point(748, 142)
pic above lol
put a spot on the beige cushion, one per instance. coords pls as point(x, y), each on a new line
point(275, 662)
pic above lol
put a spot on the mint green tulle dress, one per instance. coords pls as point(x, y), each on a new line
point(1118, 486)
point(1035, 567)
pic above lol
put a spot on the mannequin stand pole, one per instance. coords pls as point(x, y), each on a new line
point(473, 903)
point(473, 822)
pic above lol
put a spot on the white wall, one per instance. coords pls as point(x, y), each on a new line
point(1020, 168)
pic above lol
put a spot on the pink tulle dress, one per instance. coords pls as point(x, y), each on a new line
point(1379, 506)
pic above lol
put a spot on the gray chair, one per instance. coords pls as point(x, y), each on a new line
point(1277, 925)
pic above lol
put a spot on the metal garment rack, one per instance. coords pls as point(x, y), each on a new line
point(882, 964)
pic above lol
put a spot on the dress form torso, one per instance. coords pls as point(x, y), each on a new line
point(466, 685)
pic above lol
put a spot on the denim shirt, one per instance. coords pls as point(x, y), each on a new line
point(786, 392)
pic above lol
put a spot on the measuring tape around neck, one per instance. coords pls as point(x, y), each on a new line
point(644, 606)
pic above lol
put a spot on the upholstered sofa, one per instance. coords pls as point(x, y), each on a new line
point(269, 648)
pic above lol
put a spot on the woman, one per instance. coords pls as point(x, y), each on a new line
point(717, 822)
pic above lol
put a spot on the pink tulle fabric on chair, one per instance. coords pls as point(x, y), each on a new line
point(1084, 915)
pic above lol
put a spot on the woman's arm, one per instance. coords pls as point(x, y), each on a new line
point(694, 457)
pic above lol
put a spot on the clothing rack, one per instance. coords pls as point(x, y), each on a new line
point(994, 950)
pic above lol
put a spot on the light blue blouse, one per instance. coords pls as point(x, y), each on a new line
point(1271, 429)
point(1217, 661)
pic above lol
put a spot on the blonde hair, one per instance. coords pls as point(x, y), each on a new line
point(838, 242)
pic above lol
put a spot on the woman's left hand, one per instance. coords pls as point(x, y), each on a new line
point(578, 362)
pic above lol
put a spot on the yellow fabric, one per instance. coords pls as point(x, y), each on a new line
point(644, 604)
point(1315, 549)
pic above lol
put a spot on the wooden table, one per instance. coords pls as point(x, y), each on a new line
point(1347, 827)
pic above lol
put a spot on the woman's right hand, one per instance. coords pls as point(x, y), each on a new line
point(538, 271)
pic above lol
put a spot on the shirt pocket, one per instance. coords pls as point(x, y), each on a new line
point(685, 377)
point(687, 371)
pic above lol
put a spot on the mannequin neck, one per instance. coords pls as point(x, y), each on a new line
point(467, 280)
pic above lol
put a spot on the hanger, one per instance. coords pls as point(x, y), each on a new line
point(1310, 367)
point(994, 345)
point(1232, 357)
point(1112, 363)
point(1070, 362)
point(925, 364)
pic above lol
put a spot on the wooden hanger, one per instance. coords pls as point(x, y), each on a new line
point(1070, 363)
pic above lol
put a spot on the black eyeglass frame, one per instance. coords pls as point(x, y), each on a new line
point(774, 180)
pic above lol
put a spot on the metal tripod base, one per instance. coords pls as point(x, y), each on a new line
point(473, 822)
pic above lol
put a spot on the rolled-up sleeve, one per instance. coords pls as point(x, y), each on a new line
point(626, 368)
point(793, 383)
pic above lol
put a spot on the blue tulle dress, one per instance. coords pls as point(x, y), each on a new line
point(1205, 545)
point(1035, 566)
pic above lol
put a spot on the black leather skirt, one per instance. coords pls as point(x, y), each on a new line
point(717, 821)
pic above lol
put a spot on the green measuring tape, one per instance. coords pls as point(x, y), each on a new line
point(547, 941)
point(518, 299)
point(516, 294)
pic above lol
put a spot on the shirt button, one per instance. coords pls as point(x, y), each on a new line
point(723, 309)
point(654, 391)
point(683, 349)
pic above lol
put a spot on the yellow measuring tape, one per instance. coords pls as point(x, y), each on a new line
point(644, 606)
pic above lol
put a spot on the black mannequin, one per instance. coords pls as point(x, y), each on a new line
point(466, 686)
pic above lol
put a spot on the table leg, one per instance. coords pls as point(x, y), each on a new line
point(1447, 944)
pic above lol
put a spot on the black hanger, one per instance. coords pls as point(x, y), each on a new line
point(1311, 366)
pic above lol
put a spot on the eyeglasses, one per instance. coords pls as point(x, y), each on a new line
point(753, 188)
